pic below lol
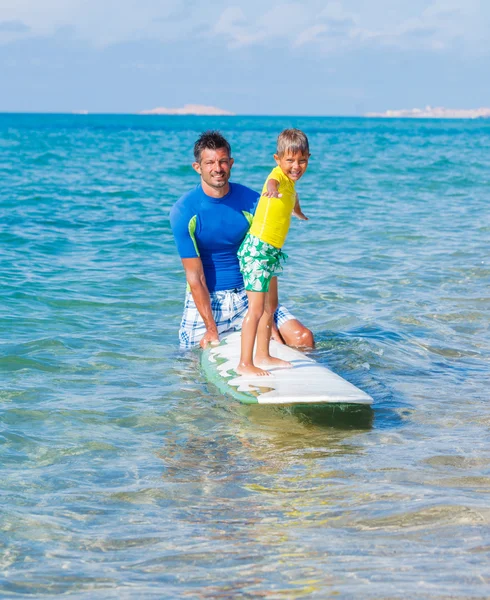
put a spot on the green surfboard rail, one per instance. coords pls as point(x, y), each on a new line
point(211, 371)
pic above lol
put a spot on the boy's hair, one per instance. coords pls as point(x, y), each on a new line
point(292, 140)
point(210, 140)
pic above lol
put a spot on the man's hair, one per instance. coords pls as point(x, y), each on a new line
point(210, 140)
point(292, 141)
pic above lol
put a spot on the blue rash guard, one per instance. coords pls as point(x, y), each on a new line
point(212, 229)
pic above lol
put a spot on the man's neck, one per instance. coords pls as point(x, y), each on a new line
point(215, 192)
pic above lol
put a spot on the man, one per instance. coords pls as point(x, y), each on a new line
point(209, 224)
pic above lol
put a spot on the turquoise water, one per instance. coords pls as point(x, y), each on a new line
point(125, 475)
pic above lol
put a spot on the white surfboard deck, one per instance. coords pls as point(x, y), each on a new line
point(307, 382)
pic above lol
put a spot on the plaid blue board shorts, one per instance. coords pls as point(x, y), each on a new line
point(229, 308)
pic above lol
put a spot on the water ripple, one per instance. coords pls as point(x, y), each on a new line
point(125, 474)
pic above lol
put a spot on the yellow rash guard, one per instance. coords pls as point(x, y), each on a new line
point(273, 215)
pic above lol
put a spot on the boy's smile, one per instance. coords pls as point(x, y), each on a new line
point(293, 165)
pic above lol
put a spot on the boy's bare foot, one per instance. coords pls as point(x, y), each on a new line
point(272, 361)
point(251, 370)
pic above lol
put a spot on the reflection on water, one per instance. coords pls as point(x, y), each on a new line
point(251, 484)
point(335, 417)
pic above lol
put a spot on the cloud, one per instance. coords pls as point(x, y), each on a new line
point(325, 26)
point(311, 34)
point(233, 26)
point(103, 23)
point(14, 26)
point(64, 72)
point(429, 25)
point(439, 26)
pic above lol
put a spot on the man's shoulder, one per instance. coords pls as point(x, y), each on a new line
point(190, 197)
point(238, 188)
point(186, 207)
point(189, 202)
point(243, 194)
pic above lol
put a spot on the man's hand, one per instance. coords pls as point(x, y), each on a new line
point(209, 338)
point(194, 273)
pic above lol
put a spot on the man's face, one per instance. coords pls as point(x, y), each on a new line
point(214, 167)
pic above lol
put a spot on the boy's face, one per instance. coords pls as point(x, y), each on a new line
point(293, 165)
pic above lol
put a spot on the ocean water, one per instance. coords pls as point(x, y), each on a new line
point(124, 474)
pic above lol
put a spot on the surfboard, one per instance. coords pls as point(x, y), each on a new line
point(307, 382)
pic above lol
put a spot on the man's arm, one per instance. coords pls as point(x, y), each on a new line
point(194, 274)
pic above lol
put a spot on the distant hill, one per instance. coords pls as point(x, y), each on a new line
point(435, 113)
point(187, 109)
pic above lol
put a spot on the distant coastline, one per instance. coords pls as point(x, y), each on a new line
point(202, 110)
point(188, 109)
point(438, 112)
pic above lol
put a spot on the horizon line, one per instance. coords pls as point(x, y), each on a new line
point(139, 114)
point(228, 116)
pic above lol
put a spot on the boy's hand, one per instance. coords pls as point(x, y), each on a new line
point(272, 194)
point(297, 212)
point(272, 189)
point(300, 215)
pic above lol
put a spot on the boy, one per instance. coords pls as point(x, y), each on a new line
point(260, 253)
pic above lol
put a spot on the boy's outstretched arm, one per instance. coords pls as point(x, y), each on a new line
point(297, 212)
point(272, 189)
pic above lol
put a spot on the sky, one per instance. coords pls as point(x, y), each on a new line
point(310, 57)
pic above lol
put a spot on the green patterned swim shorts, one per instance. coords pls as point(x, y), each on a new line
point(259, 263)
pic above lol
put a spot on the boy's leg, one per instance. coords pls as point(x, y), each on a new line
point(262, 353)
point(255, 311)
point(274, 300)
point(286, 329)
point(264, 333)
